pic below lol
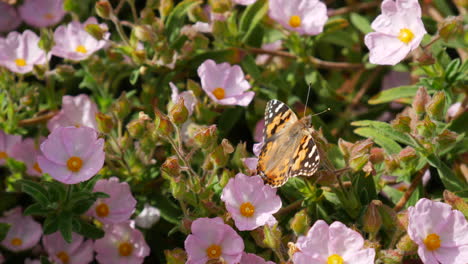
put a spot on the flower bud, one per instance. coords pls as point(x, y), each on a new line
point(389, 217)
point(402, 124)
point(435, 107)
point(177, 187)
point(175, 256)
point(179, 112)
point(272, 236)
point(104, 122)
point(46, 42)
point(456, 202)
point(407, 154)
point(194, 87)
point(326, 178)
point(372, 221)
point(258, 235)
point(390, 256)
point(426, 59)
point(300, 222)
point(165, 7)
point(148, 217)
point(39, 71)
point(162, 124)
point(136, 128)
point(226, 175)
point(345, 147)
point(426, 127)
point(220, 6)
point(376, 155)
point(446, 139)
point(220, 155)
point(121, 107)
point(103, 9)
point(357, 163)
point(205, 138)
point(144, 33)
point(96, 31)
point(239, 155)
point(171, 167)
point(451, 27)
point(391, 163)
point(361, 147)
point(420, 100)
point(406, 245)
point(402, 220)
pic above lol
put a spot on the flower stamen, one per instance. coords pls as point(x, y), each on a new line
point(432, 242)
point(81, 49)
point(74, 164)
point(125, 249)
point(20, 62)
point(16, 241)
point(213, 251)
point(37, 168)
point(295, 21)
point(247, 209)
point(3, 155)
point(49, 16)
point(406, 35)
point(63, 256)
point(335, 259)
point(219, 93)
point(102, 210)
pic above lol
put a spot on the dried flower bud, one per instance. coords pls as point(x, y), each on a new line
point(178, 187)
point(225, 176)
point(96, 31)
point(357, 163)
point(122, 107)
point(426, 127)
point(194, 87)
point(372, 221)
point(446, 139)
point(65, 71)
point(219, 157)
point(407, 154)
point(162, 124)
point(402, 220)
point(426, 59)
point(171, 167)
point(376, 155)
point(103, 9)
point(435, 107)
point(391, 163)
point(402, 123)
point(406, 245)
point(300, 222)
point(165, 7)
point(345, 147)
point(459, 3)
point(420, 100)
point(104, 122)
point(136, 128)
point(451, 27)
point(258, 235)
point(272, 236)
point(239, 155)
point(456, 202)
point(220, 6)
point(175, 256)
point(390, 256)
point(144, 33)
point(326, 178)
point(179, 112)
point(206, 138)
point(388, 215)
point(361, 147)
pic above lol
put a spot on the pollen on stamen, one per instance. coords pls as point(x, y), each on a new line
point(16, 242)
point(49, 16)
point(3, 155)
point(81, 49)
point(219, 93)
point(125, 249)
point(247, 209)
point(63, 256)
point(335, 259)
point(74, 164)
point(405, 35)
point(213, 251)
point(432, 242)
point(102, 210)
point(20, 62)
point(295, 21)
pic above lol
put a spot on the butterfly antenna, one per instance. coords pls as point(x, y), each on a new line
point(307, 99)
point(326, 110)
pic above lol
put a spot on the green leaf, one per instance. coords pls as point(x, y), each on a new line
point(82, 206)
point(251, 17)
point(175, 19)
point(90, 231)
point(387, 130)
point(36, 209)
point(452, 70)
point(360, 23)
point(248, 63)
point(4, 228)
point(393, 94)
point(56, 190)
point(65, 226)
point(45, 260)
point(134, 76)
point(388, 144)
point(36, 190)
point(449, 179)
point(50, 224)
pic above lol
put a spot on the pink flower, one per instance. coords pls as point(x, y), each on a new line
point(71, 154)
point(27, 152)
point(211, 238)
point(250, 202)
point(244, 2)
point(7, 142)
point(9, 20)
point(122, 244)
point(259, 127)
point(399, 30)
point(263, 59)
point(62, 252)
point(118, 207)
point(225, 84)
point(74, 43)
point(148, 217)
point(332, 244)
point(307, 17)
point(189, 98)
point(207, 27)
point(20, 52)
point(24, 232)
point(76, 111)
point(42, 13)
point(439, 231)
point(248, 258)
point(251, 165)
point(453, 110)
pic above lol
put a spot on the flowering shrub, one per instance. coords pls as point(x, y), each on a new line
point(144, 131)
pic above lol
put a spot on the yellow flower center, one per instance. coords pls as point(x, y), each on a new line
point(16, 242)
point(63, 256)
point(125, 249)
point(295, 21)
point(37, 168)
point(81, 49)
point(335, 259)
point(406, 35)
point(20, 62)
point(49, 16)
point(432, 242)
point(74, 164)
point(219, 93)
point(3, 155)
point(247, 209)
point(102, 210)
point(213, 251)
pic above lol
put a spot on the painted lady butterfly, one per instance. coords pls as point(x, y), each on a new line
point(288, 149)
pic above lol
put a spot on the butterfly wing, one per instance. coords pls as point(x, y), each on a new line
point(273, 163)
point(306, 158)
